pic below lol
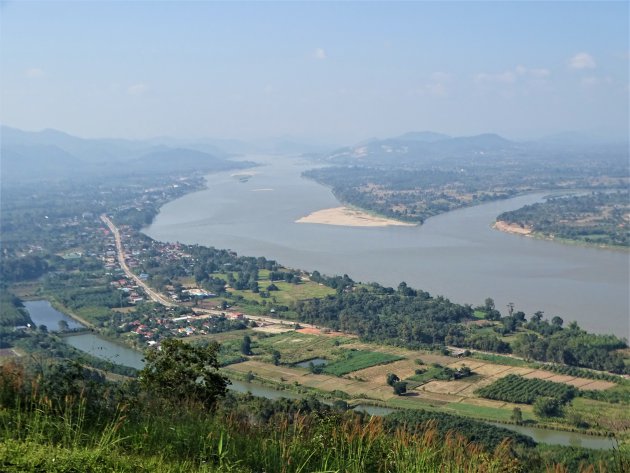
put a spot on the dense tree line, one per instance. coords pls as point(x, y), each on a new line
point(336, 282)
point(574, 347)
point(242, 272)
point(382, 314)
point(413, 318)
point(23, 267)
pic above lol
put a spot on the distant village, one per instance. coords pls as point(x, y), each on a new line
point(149, 323)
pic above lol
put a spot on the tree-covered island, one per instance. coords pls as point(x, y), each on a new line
point(597, 218)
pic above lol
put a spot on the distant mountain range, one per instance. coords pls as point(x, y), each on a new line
point(428, 147)
point(52, 154)
point(416, 147)
point(55, 154)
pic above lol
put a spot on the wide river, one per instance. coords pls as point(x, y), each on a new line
point(457, 254)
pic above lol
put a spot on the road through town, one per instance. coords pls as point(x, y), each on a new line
point(120, 251)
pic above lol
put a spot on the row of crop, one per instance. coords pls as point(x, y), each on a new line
point(515, 388)
point(580, 372)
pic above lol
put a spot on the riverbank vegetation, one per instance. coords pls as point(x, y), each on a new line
point(413, 319)
point(598, 218)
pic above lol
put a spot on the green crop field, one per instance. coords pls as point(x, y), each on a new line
point(357, 360)
point(500, 359)
point(492, 413)
point(295, 347)
point(286, 293)
point(433, 372)
point(289, 292)
point(515, 388)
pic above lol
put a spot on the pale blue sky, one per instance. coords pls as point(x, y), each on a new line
point(330, 71)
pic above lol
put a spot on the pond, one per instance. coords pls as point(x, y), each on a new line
point(42, 313)
point(262, 391)
point(315, 361)
point(107, 350)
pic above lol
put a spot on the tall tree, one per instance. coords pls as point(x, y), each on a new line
point(246, 345)
point(181, 370)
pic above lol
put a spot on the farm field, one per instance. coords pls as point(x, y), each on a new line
point(353, 360)
point(360, 383)
point(254, 303)
point(296, 347)
point(286, 293)
point(515, 388)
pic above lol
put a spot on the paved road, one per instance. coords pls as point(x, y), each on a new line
point(155, 296)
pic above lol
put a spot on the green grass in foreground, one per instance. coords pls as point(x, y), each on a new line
point(355, 360)
point(23, 456)
point(40, 439)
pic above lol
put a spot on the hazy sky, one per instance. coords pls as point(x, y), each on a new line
point(339, 72)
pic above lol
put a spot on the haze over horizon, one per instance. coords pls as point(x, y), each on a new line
point(328, 72)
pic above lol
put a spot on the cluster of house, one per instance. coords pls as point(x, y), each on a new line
point(151, 329)
point(129, 287)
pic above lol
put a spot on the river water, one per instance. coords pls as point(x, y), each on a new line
point(107, 350)
point(42, 313)
point(456, 254)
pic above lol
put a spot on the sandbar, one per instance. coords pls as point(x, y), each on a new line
point(348, 217)
point(512, 228)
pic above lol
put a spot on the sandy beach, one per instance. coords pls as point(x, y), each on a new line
point(512, 228)
point(347, 217)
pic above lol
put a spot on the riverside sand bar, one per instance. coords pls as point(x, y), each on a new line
point(512, 228)
point(348, 217)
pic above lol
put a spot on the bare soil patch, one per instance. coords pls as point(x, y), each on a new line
point(539, 374)
point(446, 387)
point(378, 374)
point(598, 385)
